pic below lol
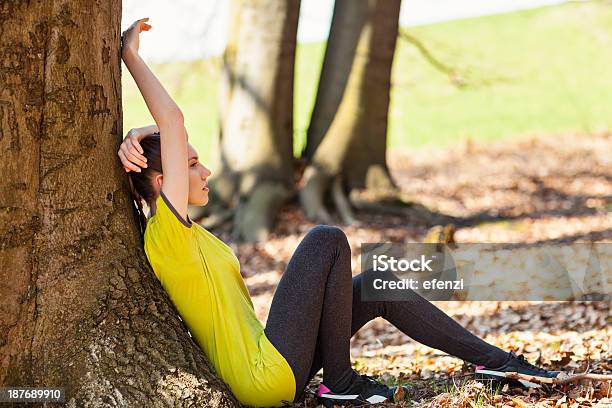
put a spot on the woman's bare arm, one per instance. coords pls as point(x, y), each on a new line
point(167, 116)
point(146, 130)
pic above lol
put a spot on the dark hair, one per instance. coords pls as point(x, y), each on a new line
point(142, 182)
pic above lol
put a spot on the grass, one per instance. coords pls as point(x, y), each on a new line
point(528, 72)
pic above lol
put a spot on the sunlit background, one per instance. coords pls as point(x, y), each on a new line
point(500, 69)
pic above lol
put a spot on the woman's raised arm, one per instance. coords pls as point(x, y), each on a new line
point(167, 116)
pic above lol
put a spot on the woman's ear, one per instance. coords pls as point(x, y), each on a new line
point(158, 181)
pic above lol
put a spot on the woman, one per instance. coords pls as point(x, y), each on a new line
point(317, 306)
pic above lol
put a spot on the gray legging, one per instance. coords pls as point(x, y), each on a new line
point(317, 308)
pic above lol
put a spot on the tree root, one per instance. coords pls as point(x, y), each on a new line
point(312, 194)
point(254, 216)
point(389, 201)
point(217, 218)
point(341, 201)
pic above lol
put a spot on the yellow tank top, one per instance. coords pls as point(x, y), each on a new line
point(202, 277)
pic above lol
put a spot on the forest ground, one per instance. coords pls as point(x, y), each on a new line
point(553, 189)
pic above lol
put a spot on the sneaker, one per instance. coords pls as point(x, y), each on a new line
point(515, 364)
point(365, 390)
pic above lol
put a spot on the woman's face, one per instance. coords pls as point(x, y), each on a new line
point(198, 175)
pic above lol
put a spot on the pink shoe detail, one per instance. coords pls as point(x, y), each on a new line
point(480, 367)
point(322, 390)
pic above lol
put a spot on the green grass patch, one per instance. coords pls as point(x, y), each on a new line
point(528, 72)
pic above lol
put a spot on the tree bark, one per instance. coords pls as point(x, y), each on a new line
point(80, 307)
point(350, 146)
point(256, 148)
point(224, 181)
point(348, 20)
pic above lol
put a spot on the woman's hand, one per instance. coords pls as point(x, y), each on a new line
point(131, 153)
point(131, 37)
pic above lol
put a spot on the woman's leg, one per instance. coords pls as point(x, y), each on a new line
point(311, 309)
point(317, 308)
point(425, 323)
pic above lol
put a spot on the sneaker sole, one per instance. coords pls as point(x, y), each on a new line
point(329, 400)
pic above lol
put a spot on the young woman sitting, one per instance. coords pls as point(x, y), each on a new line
point(317, 306)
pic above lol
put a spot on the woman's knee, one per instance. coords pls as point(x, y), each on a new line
point(329, 233)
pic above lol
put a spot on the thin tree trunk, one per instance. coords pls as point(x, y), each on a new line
point(354, 146)
point(347, 23)
point(80, 308)
point(257, 132)
point(225, 182)
point(366, 166)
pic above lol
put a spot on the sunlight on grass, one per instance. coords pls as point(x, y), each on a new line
point(527, 72)
point(535, 71)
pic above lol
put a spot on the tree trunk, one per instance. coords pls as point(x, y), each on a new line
point(256, 157)
point(224, 182)
point(351, 154)
point(347, 23)
point(80, 307)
